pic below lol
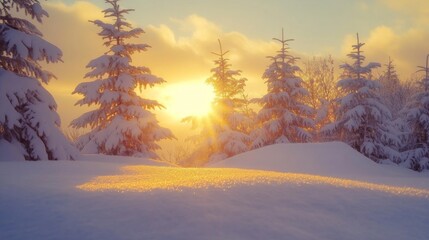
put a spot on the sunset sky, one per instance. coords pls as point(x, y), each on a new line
point(183, 33)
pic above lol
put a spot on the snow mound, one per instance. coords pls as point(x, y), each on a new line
point(334, 159)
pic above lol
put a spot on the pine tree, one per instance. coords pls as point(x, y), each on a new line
point(123, 123)
point(225, 131)
point(284, 118)
point(416, 154)
point(28, 117)
point(393, 93)
point(390, 77)
point(362, 120)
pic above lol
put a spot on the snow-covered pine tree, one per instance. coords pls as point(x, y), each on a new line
point(362, 120)
point(225, 131)
point(416, 154)
point(123, 123)
point(28, 117)
point(393, 93)
point(284, 118)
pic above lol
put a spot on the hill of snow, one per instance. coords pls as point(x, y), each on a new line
point(41, 200)
point(334, 159)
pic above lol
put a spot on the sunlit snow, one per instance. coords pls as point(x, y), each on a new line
point(147, 178)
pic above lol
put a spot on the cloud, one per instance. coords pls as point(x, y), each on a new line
point(81, 9)
point(68, 27)
point(363, 6)
point(187, 53)
point(418, 10)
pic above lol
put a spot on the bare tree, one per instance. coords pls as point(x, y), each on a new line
point(318, 74)
point(178, 154)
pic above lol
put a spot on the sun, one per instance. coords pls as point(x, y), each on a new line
point(191, 98)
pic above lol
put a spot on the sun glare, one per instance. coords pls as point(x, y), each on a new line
point(188, 99)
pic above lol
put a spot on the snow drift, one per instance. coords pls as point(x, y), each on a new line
point(334, 159)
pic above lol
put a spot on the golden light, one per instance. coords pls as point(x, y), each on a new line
point(148, 178)
point(192, 98)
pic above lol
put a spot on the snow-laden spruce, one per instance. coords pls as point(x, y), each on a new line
point(28, 117)
point(362, 120)
point(393, 93)
point(416, 114)
point(123, 123)
point(284, 117)
point(225, 130)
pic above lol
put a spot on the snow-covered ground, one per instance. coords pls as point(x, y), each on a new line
point(41, 200)
point(334, 159)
